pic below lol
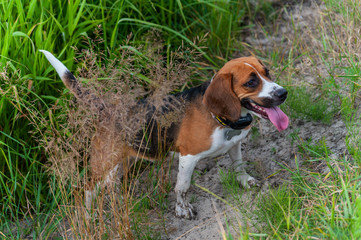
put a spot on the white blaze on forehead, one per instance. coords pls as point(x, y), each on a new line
point(267, 86)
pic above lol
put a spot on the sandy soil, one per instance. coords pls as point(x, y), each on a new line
point(264, 154)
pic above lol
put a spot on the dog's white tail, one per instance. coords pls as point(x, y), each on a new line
point(59, 66)
point(72, 83)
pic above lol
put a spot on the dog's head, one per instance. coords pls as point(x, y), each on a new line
point(245, 82)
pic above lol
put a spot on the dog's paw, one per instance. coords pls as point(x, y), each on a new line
point(186, 211)
point(247, 181)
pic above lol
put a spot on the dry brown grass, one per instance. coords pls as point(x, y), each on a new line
point(118, 82)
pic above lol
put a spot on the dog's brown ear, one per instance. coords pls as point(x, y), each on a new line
point(220, 98)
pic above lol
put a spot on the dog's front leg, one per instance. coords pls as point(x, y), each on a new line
point(235, 153)
point(183, 208)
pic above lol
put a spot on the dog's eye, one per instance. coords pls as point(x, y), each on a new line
point(252, 82)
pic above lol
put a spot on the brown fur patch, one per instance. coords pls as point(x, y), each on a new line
point(220, 98)
point(105, 153)
point(195, 131)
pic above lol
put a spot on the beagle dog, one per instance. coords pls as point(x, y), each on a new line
point(215, 119)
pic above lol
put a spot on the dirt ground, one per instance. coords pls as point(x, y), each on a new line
point(264, 152)
point(264, 155)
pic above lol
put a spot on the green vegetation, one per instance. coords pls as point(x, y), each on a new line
point(302, 103)
point(33, 202)
point(319, 205)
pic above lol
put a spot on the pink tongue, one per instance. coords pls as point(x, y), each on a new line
point(277, 117)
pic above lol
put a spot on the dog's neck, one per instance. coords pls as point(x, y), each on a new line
point(241, 123)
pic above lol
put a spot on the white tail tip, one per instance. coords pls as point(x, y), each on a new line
point(59, 66)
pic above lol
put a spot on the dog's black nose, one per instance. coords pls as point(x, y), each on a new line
point(281, 94)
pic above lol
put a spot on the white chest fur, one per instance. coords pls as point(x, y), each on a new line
point(223, 139)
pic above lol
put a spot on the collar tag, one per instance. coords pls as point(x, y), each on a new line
point(229, 134)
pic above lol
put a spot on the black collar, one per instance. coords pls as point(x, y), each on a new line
point(241, 123)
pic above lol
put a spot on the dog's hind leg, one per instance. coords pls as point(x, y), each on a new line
point(105, 164)
point(93, 189)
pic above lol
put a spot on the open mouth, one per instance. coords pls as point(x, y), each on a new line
point(255, 108)
point(274, 114)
